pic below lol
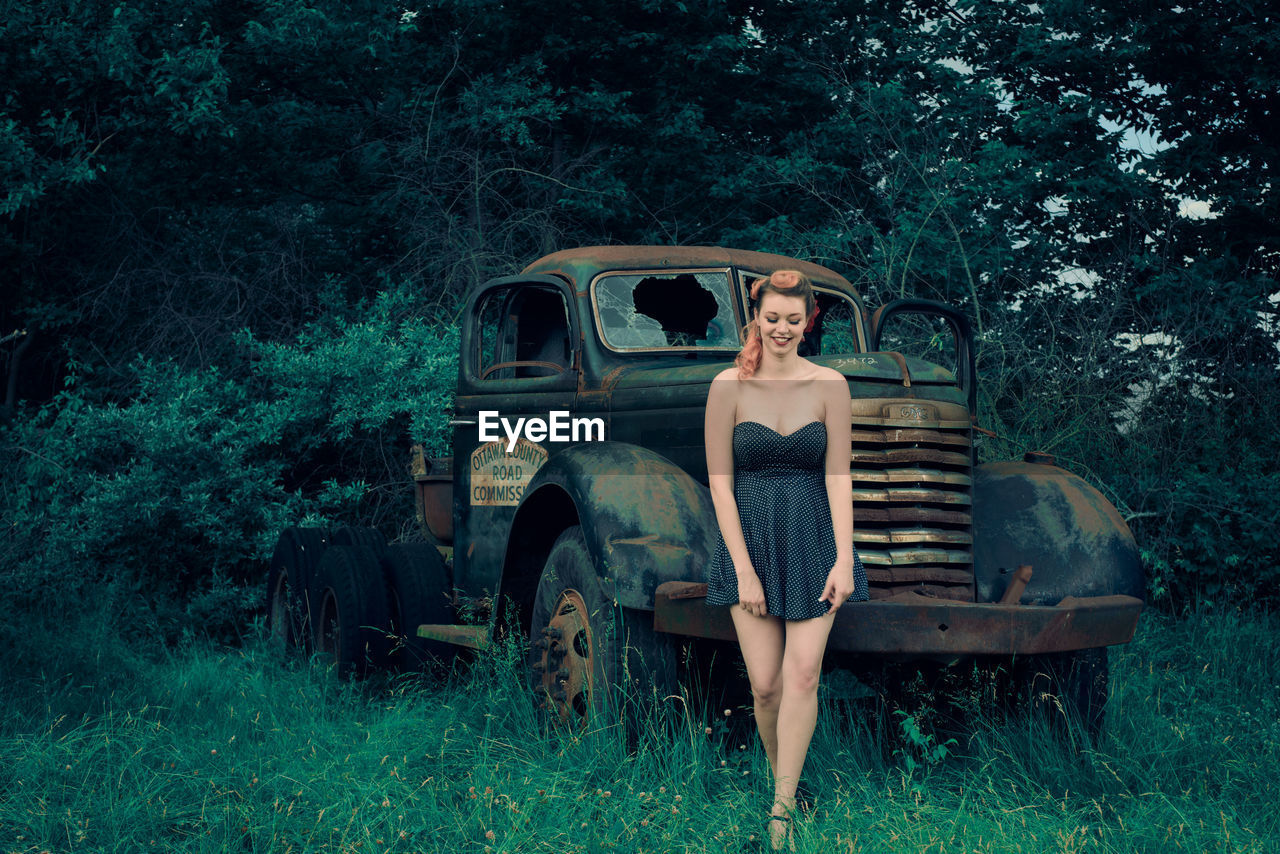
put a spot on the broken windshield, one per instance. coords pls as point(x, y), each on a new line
point(666, 309)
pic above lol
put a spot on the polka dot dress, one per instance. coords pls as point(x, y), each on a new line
point(780, 487)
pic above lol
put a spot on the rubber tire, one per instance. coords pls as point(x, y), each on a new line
point(349, 610)
point(1068, 689)
point(625, 677)
point(353, 536)
point(293, 563)
point(418, 587)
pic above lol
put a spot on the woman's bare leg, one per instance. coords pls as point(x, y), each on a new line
point(806, 640)
point(761, 640)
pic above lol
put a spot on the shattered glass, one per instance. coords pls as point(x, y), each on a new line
point(661, 310)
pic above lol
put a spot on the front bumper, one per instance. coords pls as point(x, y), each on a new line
point(912, 624)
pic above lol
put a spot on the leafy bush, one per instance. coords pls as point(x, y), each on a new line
point(170, 500)
point(1205, 504)
point(1181, 446)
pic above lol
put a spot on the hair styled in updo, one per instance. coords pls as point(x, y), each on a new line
point(790, 283)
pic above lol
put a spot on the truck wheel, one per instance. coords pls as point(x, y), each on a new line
point(352, 536)
point(588, 655)
point(1068, 688)
point(293, 563)
point(418, 586)
point(349, 609)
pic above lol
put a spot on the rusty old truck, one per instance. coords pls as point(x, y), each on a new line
point(589, 532)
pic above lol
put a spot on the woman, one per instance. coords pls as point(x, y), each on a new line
point(777, 439)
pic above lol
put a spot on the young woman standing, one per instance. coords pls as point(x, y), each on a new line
point(777, 440)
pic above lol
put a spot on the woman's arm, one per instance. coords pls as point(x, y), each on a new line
point(718, 438)
point(838, 403)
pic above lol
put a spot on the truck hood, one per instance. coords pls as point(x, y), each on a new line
point(858, 366)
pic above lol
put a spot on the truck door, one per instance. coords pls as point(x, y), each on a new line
point(521, 351)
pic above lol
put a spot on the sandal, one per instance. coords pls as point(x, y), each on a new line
point(789, 837)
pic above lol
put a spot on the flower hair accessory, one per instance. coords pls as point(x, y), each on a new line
point(809, 326)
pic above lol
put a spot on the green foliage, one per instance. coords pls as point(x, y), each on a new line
point(172, 497)
point(385, 367)
point(1208, 502)
point(175, 173)
point(210, 749)
point(923, 751)
point(163, 494)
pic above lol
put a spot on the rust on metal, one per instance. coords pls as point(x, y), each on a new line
point(892, 576)
point(685, 590)
point(433, 493)
point(473, 637)
point(910, 463)
point(1013, 592)
point(983, 430)
point(940, 535)
point(909, 455)
point(566, 664)
point(902, 366)
point(915, 436)
point(910, 514)
point(1045, 516)
point(609, 380)
point(909, 623)
point(417, 461)
point(568, 262)
point(962, 591)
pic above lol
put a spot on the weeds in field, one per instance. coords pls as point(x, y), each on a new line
point(924, 751)
point(218, 750)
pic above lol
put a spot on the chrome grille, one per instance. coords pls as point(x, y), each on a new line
point(911, 466)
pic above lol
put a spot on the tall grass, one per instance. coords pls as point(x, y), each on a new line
point(248, 750)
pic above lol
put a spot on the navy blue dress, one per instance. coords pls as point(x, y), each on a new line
point(779, 484)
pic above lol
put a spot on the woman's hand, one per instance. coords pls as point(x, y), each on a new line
point(839, 585)
point(751, 593)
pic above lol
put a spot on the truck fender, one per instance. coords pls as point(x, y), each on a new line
point(645, 520)
point(1038, 514)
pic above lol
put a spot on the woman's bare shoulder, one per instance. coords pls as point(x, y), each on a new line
point(728, 375)
point(834, 385)
point(825, 373)
point(724, 389)
point(820, 372)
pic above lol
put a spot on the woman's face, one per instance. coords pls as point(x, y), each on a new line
point(782, 320)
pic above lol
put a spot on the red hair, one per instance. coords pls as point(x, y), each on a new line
point(790, 283)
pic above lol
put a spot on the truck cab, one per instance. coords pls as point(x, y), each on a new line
point(575, 504)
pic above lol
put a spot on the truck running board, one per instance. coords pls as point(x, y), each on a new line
point(474, 637)
point(912, 624)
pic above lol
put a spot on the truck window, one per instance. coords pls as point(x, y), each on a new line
point(833, 329)
point(924, 336)
point(527, 326)
point(666, 309)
